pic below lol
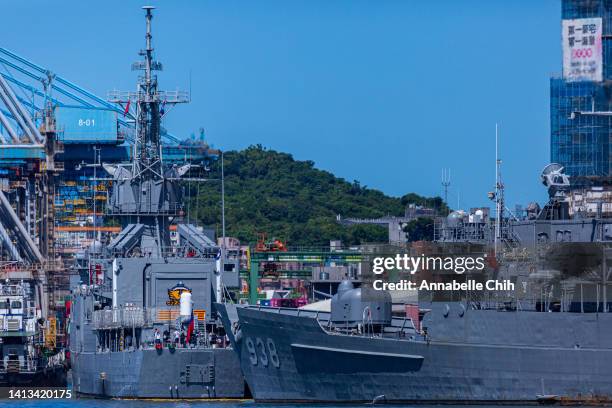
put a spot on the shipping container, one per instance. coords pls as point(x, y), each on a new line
point(86, 126)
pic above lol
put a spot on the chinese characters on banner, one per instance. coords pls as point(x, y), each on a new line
point(582, 49)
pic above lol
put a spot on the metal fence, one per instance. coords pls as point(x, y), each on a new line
point(135, 317)
point(128, 316)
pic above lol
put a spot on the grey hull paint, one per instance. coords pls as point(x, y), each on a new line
point(145, 373)
point(481, 356)
point(149, 374)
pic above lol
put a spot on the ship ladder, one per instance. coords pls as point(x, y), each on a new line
point(201, 332)
point(12, 366)
point(51, 333)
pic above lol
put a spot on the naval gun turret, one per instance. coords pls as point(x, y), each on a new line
point(352, 307)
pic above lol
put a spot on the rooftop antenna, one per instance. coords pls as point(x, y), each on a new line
point(446, 181)
point(219, 283)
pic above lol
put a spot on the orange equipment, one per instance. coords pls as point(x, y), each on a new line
point(274, 245)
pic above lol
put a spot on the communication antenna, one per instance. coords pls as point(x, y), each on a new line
point(499, 192)
point(223, 252)
point(446, 182)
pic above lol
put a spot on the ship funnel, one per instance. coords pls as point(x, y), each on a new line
point(185, 306)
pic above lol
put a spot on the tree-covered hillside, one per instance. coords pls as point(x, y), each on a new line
point(268, 191)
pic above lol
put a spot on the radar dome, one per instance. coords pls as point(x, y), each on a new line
point(455, 218)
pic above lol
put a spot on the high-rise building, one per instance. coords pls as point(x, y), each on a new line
point(581, 99)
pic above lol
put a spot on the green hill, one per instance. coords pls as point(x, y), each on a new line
point(268, 191)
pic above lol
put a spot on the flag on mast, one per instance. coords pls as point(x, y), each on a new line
point(190, 329)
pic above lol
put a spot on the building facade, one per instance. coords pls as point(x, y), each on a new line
point(581, 99)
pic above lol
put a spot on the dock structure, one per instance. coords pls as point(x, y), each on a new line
point(55, 137)
point(89, 131)
point(395, 224)
point(304, 257)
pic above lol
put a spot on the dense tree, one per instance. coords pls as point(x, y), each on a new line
point(420, 229)
point(437, 203)
point(269, 191)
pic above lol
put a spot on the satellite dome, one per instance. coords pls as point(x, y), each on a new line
point(477, 217)
point(455, 218)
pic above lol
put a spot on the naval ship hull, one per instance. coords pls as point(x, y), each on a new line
point(181, 374)
point(476, 356)
point(50, 377)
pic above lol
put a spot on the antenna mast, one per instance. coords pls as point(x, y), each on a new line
point(147, 158)
point(446, 181)
point(146, 191)
point(499, 192)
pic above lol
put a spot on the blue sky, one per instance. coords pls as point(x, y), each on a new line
point(384, 92)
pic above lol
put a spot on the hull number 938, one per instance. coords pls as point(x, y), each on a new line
point(262, 352)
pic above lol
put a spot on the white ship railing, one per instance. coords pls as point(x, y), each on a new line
point(128, 316)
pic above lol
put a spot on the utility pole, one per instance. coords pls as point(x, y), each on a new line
point(222, 200)
point(95, 189)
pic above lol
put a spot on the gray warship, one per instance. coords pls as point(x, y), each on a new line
point(142, 325)
point(466, 355)
point(547, 341)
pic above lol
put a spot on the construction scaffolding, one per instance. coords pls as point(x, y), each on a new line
point(581, 142)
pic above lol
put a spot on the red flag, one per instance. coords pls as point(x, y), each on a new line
point(127, 108)
point(190, 329)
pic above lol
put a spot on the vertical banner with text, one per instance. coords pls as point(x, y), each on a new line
point(582, 49)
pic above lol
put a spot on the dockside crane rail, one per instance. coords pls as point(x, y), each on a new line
point(23, 133)
point(83, 97)
point(18, 113)
point(13, 234)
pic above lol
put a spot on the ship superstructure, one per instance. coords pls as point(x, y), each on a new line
point(573, 214)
